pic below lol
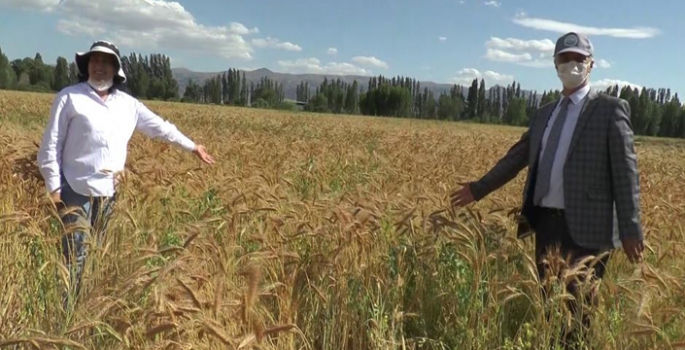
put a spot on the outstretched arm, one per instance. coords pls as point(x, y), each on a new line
point(154, 126)
point(505, 170)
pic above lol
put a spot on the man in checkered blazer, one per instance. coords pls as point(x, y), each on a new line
point(582, 189)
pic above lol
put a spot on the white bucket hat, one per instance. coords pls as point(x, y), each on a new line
point(104, 47)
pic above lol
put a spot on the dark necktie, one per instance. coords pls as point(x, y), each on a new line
point(545, 167)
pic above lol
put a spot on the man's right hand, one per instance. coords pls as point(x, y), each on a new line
point(201, 152)
point(55, 197)
point(633, 248)
point(462, 197)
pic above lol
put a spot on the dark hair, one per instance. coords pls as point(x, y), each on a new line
point(118, 81)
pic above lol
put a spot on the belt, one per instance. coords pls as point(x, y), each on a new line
point(557, 212)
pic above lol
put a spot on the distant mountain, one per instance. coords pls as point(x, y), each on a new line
point(290, 81)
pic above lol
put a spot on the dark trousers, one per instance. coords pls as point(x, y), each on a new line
point(85, 220)
point(555, 252)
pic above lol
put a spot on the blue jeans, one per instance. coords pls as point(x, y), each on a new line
point(83, 218)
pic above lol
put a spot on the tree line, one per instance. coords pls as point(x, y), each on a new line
point(655, 112)
point(404, 97)
point(148, 77)
point(232, 88)
point(401, 97)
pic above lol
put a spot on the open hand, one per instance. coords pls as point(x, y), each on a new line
point(55, 197)
point(462, 197)
point(201, 153)
point(633, 249)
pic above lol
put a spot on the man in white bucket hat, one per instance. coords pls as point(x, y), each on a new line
point(100, 79)
point(84, 147)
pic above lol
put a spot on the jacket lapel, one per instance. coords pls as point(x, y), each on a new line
point(585, 114)
point(538, 130)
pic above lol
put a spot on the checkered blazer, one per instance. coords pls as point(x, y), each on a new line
point(601, 183)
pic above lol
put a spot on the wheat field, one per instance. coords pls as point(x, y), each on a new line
point(315, 232)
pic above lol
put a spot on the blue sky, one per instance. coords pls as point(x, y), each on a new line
point(437, 40)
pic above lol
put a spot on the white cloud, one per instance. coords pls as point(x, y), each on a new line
point(314, 66)
point(544, 45)
point(564, 27)
point(332, 51)
point(466, 76)
point(153, 24)
point(602, 63)
point(603, 84)
point(240, 29)
point(522, 59)
point(529, 53)
point(45, 5)
point(442, 38)
point(492, 3)
point(370, 62)
point(503, 56)
point(275, 44)
point(74, 28)
point(148, 25)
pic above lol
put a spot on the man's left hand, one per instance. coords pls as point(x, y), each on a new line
point(462, 197)
point(201, 153)
point(633, 249)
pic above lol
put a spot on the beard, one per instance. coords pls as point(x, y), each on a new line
point(100, 85)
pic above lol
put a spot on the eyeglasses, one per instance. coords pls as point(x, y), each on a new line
point(571, 56)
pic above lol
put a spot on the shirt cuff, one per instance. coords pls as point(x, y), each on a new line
point(53, 184)
point(187, 144)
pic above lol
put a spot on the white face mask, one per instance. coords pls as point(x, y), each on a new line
point(100, 85)
point(572, 74)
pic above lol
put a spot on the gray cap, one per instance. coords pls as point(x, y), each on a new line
point(574, 42)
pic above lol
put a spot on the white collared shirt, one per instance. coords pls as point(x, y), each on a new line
point(86, 138)
point(555, 197)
